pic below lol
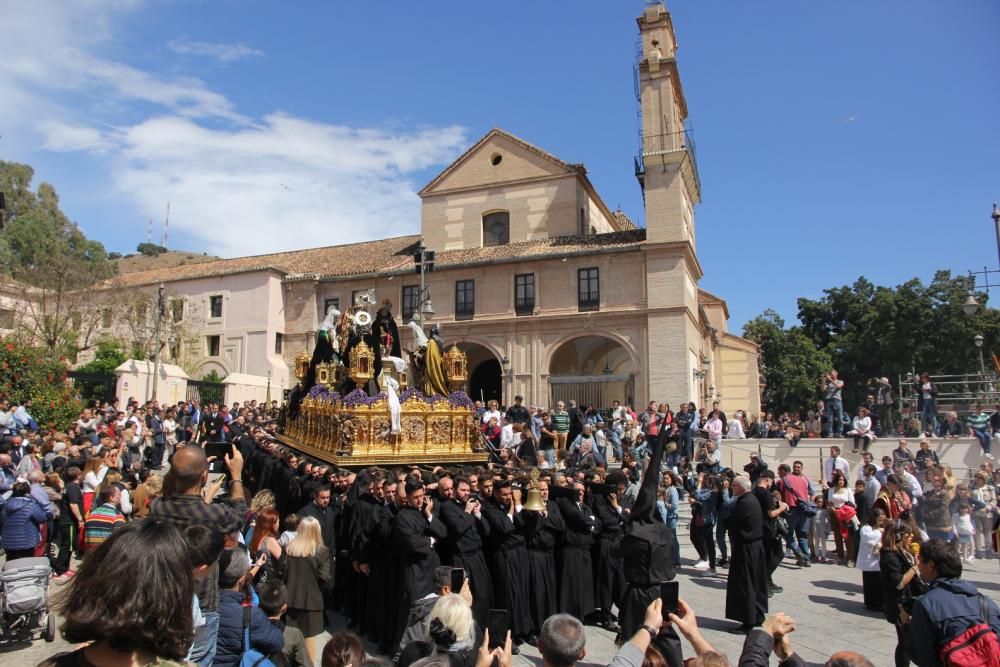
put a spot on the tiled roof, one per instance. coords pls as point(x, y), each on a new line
point(624, 222)
point(394, 255)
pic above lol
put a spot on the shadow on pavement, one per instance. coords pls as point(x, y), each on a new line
point(710, 583)
point(843, 586)
point(846, 606)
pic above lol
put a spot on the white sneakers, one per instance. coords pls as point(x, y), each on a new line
point(701, 565)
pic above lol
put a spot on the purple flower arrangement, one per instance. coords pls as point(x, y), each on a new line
point(319, 391)
point(359, 397)
point(456, 399)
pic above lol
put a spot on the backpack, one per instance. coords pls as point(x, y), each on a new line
point(976, 647)
point(251, 657)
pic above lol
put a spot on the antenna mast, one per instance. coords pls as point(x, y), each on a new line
point(166, 226)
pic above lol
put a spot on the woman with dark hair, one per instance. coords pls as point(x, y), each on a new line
point(898, 574)
point(344, 649)
point(704, 505)
point(130, 600)
point(869, 544)
point(837, 498)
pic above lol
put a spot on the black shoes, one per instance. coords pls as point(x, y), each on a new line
point(741, 630)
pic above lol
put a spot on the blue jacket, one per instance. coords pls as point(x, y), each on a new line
point(264, 635)
point(21, 518)
point(946, 610)
point(709, 500)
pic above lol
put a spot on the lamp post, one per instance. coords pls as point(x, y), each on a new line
point(996, 224)
point(424, 260)
point(160, 294)
point(978, 340)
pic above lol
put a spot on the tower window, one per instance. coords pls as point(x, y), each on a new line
point(496, 229)
point(589, 293)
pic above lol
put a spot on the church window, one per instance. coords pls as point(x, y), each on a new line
point(589, 289)
point(465, 299)
point(496, 229)
point(410, 302)
point(496, 159)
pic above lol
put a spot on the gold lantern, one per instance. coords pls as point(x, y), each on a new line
point(325, 374)
point(302, 360)
point(362, 363)
point(456, 363)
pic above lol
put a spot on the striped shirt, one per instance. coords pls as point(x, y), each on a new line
point(978, 422)
point(560, 420)
point(100, 522)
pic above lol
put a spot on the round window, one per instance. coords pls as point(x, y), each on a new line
point(496, 159)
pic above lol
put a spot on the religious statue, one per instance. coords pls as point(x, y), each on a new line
point(385, 329)
point(435, 373)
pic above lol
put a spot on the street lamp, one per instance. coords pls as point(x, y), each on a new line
point(978, 340)
point(996, 223)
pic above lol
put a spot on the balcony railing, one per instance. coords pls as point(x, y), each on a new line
point(665, 144)
point(524, 306)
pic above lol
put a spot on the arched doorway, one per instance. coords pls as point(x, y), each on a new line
point(591, 370)
point(485, 374)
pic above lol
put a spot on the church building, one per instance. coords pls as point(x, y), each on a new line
point(551, 294)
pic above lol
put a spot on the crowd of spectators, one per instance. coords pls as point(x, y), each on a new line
point(283, 540)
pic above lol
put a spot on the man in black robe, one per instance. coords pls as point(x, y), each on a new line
point(467, 529)
point(363, 529)
point(647, 551)
point(542, 531)
point(746, 587)
point(414, 532)
point(576, 585)
point(609, 580)
point(510, 577)
point(774, 550)
point(388, 569)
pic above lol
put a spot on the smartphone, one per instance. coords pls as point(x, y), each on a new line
point(668, 595)
point(498, 623)
point(457, 579)
point(219, 450)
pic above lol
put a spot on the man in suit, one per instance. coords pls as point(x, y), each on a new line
point(212, 423)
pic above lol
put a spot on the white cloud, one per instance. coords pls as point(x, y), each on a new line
point(237, 185)
point(224, 52)
point(63, 137)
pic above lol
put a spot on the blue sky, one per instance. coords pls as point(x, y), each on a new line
point(834, 139)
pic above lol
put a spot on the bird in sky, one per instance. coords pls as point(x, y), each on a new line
point(285, 186)
point(850, 119)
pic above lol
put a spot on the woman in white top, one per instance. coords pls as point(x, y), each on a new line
point(861, 429)
point(492, 410)
point(86, 425)
point(736, 429)
point(714, 427)
point(869, 546)
point(170, 432)
point(838, 495)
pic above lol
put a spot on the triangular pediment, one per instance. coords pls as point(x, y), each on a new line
point(499, 157)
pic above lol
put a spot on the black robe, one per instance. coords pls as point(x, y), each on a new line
point(465, 545)
point(509, 566)
point(364, 530)
point(774, 551)
point(576, 585)
point(746, 587)
point(542, 533)
point(387, 572)
point(609, 580)
point(411, 536)
point(647, 552)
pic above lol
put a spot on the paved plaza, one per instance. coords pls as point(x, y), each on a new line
point(825, 600)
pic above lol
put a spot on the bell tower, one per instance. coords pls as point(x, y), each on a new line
point(668, 176)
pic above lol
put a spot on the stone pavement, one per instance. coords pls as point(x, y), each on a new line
point(825, 600)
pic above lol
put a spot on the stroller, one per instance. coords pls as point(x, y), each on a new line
point(24, 584)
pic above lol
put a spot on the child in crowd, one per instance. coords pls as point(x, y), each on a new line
point(819, 532)
point(274, 603)
point(291, 527)
point(966, 530)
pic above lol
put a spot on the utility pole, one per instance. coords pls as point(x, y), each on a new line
point(424, 260)
point(160, 306)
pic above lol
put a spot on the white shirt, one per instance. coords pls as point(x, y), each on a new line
point(492, 413)
point(506, 436)
point(868, 549)
point(735, 430)
point(839, 497)
point(841, 464)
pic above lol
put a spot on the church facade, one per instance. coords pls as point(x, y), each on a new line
point(551, 294)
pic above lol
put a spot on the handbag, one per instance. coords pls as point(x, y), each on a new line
point(807, 507)
point(251, 657)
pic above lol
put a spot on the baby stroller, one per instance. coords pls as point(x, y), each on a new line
point(24, 584)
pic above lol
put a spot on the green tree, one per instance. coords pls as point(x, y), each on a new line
point(31, 373)
point(44, 250)
point(215, 392)
point(872, 331)
point(108, 356)
point(791, 364)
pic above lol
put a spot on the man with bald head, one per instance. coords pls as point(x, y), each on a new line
point(188, 477)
